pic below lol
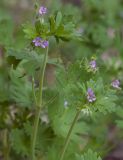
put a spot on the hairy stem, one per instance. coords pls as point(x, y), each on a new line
point(33, 90)
point(69, 134)
point(42, 79)
point(38, 108)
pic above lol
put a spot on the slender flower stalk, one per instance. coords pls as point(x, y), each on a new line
point(38, 108)
point(69, 135)
point(33, 90)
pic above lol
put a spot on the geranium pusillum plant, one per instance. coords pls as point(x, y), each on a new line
point(41, 42)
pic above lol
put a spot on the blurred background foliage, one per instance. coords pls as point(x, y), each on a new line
point(100, 23)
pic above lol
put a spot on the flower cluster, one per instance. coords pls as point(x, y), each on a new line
point(39, 42)
point(90, 95)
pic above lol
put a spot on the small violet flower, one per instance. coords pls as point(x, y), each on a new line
point(116, 84)
point(93, 65)
point(44, 44)
point(42, 10)
point(90, 95)
point(66, 104)
point(39, 42)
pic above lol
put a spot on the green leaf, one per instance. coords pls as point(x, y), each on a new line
point(61, 124)
point(20, 88)
point(38, 26)
point(105, 97)
point(52, 24)
point(4, 93)
point(120, 123)
point(58, 19)
point(30, 66)
point(30, 31)
point(23, 54)
point(89, 155)
point(19, 142)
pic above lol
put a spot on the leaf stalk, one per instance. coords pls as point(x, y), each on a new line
point(67, 140)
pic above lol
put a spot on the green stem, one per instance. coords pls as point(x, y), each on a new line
point(38, 108)
point(33, 90)
point(35, 130)
point(42, 79)
point(6, 145)
point(69, 134)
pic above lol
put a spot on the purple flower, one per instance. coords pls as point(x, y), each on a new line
point(44, 44)
point(90, 95)
point(42, 10)
point(39, 42)
point(116, 84)
point(93, 64)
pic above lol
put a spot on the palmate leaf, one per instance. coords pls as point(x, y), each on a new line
point(23, 54)
point(45, 138)
point(105, 97)
point(20, 88)
point(19, 142)
point(63, 28)
point(62, 123)
point(54, 151)
point(29, 30)
point(30, 60)
point(89, 155)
